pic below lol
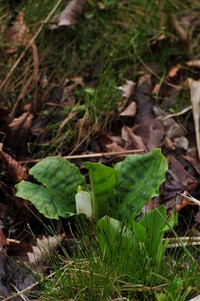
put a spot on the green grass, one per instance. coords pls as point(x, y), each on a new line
point(105, 47)
point(89, 275)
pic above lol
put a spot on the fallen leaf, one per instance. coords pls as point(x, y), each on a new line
point(148, 128)
point(114, 147)
point(19, 33)
point(152, 132)
point(172, 128)
point(17, 132)
point(130, 110)
point(195, 100)
point(127, 89)
point(70, 13)
point(15, 171)
point(194, 161)
point(178, 180)
point(181, 142)
point(174, 70)
point(132, 141)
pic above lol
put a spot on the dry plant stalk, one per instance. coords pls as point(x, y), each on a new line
point(195, 100)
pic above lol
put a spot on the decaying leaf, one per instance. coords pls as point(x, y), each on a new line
point(132, 141)
point(129, 111)
point(195, 100)
point(14, 170)
point(19, 33)
point(178, 180)
point(17, 132)
point(70, 13)
point(194, 161)
point(127, 89)
point(172, 128)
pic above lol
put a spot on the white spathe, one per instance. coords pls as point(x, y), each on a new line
point(83, 202)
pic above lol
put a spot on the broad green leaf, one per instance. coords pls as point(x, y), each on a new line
point(59, 182)
point(140, 232)
point(103, 180)
point(114, 237)
point(141, 177)
point(49, 204)
point(154, 222)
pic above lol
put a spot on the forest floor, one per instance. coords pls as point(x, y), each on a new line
point(97, 81)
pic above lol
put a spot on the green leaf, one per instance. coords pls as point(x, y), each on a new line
point(59, 182)
point(141, 177)
point(115, 237)
point(103, 180)
point(154, 222)
point(140, 232)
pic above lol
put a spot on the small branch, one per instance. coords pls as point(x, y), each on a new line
point(86, 156)
point(189, 197)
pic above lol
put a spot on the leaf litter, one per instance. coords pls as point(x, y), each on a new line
point(142, 122)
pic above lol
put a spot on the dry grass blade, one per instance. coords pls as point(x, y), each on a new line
point(195, 100)
point(97, 155)
point(31, 42)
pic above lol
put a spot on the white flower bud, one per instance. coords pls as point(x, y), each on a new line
point(83, 202)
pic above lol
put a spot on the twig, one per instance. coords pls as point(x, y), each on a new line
point(19, 293)
point(189, 197)
point(178, 113)
point(173, 242)
point(86, 156)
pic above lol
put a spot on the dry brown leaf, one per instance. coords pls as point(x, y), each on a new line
point(70, 13)
point(194, 161)
point(15, 171)
point(132, 141)
point(114, 147)
point(130, 110)
point(127, 89)
point(19, 33)
point(18, 131)
point(174, 70)
point(195, 100)
point(24, 121)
